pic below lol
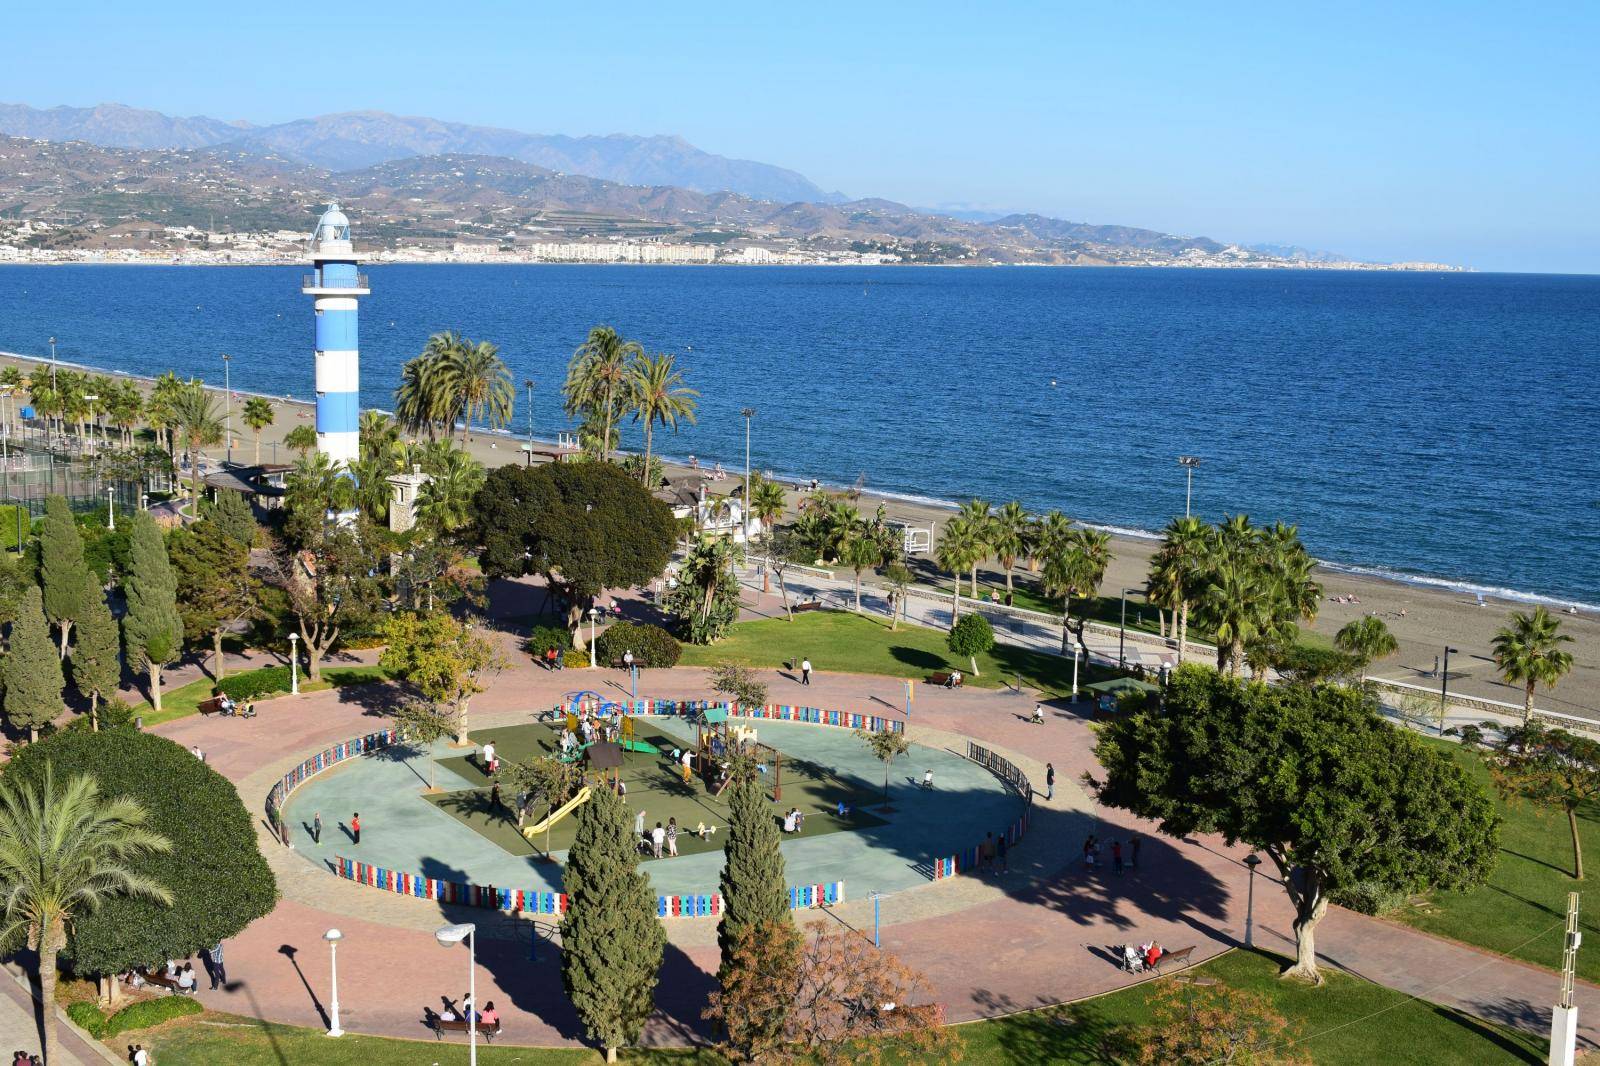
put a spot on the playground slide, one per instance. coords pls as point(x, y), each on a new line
point(577, 753)
point(640, 745)
point(530, 831)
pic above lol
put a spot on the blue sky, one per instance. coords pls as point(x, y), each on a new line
point(1455, 132)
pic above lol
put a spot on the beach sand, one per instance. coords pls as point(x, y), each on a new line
point(1433, 618)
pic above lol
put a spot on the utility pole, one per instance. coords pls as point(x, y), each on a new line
point(528, 384)
point(1444, 686)
point(227, 401)
point(1188, 462)
point(1564, 1020)
point(749, 413)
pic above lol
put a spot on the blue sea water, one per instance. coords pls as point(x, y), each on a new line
point(1432, 426)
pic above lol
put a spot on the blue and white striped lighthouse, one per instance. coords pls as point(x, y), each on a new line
point(335, 283)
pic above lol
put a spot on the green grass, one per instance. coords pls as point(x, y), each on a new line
point(1346, 1022)
point(185, 700)
point(851, 643)
point(655, 784)
point(1522, 907)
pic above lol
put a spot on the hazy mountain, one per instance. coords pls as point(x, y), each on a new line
point(116, 126)
point(1055, 229)
point(357, 139)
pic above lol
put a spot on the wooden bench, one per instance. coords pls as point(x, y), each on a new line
point(211, 706)
point(158, 979)
point(485, 1029)
point(808, 605)
point(1179, 958)
point(944, 680)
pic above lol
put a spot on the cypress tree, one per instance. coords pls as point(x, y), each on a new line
point(61, 567)
point(754, 892)
point(611, 939)
point(32, 670)
point(96, 659)
point(152, 627)
point(232, 514)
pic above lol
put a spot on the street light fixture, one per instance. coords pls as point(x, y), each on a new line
point(594, 616)
point(333, 936)
point(749, 413)
point(111, 507)
point(1251, 860)
point(1122, 632)
point(1188, 462)
point(1444, 685)
point(294, 663)
point(455, 934)
point(1077, 654)
point(91, 398)
point(227, 401)
point(527, 383)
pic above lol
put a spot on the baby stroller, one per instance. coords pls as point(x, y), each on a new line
point(1132, 959)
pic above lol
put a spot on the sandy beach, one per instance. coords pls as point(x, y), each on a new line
point(1432, 618)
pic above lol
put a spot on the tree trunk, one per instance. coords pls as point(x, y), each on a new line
point(783, 590)
point(1181, 623)
point(216, 647)
point(1010, 591)
point(1161, 621)
point(1527, 695)
point(1066, 616)
point(155, 686)
point(858, 592)
point(611, 1054)
point(50, 942)
point(973, 659)
point(258, 447)
point(955, 602)
point(1235, 658)
point(644, 475)
point(313, 662)
point(461, 724)
point(94, 712)
point(66, 628)
point(1308, 912)
point(1577, 845)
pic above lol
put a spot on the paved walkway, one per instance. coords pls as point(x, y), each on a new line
point(1044, 933)
point(19, 1028)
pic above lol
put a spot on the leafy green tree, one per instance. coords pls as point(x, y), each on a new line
point(767, 502)
point(863, 550)
point(216, 591)
point(898, 576)
point(443, 659)
point(752, 1003)
point(887, 746)
point(1366, 638)
point(584, 527)
point(1073, 563)
point(959, 547)
point(657, 395)
point(1549, 768)
point(478, 384)
point(424, 403)
point(597, 384)
point(97, 658)
point(706, 601)
point(972, 637)
point(738, 683)
point(421, 723)
point(152, 628)
point(1303, 774)
point(755, 891)
point(32, 670)
point(65, 851)
point(61, 568)
point(198, 425)
point(14, 583)
point(1528, 652)
point(258, 415)
point(331, 585)
point(218, 881)
point(232, 515)
point(612, 941)
point(444, 503)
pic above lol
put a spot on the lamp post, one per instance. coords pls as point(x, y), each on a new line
point(1077, 653)
point(111, 507)
point(455, 934)
point(749, 413)
point(91, 399)
point(1251, 860)
point(52, 364)
point(594, 615)
point(144, 501)
point(527, 383)
point(227, 401)
point(1444, 685)
point(633, 671)
point(333, 936)
point(1188, 462)
point(294, 663)
point(877, 899)
point(1122, 632)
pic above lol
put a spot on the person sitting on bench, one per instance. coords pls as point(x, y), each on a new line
point(1152, 954)
point(954, 680)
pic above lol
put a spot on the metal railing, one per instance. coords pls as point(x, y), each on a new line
point(312, 281)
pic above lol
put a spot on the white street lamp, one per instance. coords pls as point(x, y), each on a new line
point(1077, 653)
point(227, 401)
point(111, 507)
point(91, 399)
point(1188, 462)
point(455, 934)
point(594, 615)
point(1252, 860)
point(294, 664)
point(333, 936)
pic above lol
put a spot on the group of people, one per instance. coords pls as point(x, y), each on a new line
point(1091, 853)
point(1143, 957)
point(794, 821)
point(992, 853)
point(467, 1012)
point(662, 840)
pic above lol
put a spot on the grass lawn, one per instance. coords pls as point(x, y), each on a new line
point(1522, 907)
point(854, 643)
point(185, 700)
point(655, 783)
point(1331, 1022)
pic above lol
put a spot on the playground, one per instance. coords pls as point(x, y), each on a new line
point(458, 832)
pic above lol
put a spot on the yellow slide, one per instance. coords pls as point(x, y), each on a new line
point(559, 813)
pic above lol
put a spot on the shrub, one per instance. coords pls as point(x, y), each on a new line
point(546, 638)
point(88, 1017)
point(253, 684)
point(147, 1012)
point(573, 659)
point(1368, 898)
point(651, 645)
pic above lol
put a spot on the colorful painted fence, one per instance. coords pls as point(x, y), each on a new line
point(323, 760)
point(1001, 767)
point(775, 712)
point(490, 897)
point(973, 857)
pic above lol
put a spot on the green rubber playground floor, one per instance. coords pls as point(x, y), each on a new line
point(654, 784)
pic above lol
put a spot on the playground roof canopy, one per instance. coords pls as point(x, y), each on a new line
point(605, 756)
point(1118, 685)
point(714, 715)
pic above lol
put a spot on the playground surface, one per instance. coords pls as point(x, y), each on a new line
point(654, 785)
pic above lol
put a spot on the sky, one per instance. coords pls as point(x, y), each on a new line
point(1465, 133)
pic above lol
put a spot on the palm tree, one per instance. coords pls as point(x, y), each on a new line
point(1074, 562)
point(421, 402)
point(1010, 533)
point(124, 408)
point(1368, 639)
point(198, 426)
point(767, 503)
point(1175, 572)
point(477, 383)
point(1232, 602)
point(258, 415)
point(318, 485)
point(597, 380)
point(301, 440)
point(958, 549)
point(1528, 650)
point(159, 410)
point(862, 550)
point(980, 522)
point(445, 500)
point(64, 852)
point(656, 394)
point(379, 439)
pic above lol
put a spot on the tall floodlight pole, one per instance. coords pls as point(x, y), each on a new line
point(528, 384)
point(1444, 686)
point(227, 401)
point(1564, 1021)
point(91, 398)
point(1188, 462)
point(455, 934)
point(749, 413)
point(52, 364)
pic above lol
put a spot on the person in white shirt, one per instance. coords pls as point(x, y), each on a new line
point(488, 757)
point(658, 837)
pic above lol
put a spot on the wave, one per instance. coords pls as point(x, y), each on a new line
point(1471, 588)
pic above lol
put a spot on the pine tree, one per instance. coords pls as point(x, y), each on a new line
point(753, 890)
point(232, 513)
point(612, 941)
point(96, 659)
point(61, 568)
point(152, 628)
point(32, 670)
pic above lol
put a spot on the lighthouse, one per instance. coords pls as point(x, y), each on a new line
point(335, 285)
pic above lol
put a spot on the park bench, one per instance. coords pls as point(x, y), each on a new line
point(211, 706)
point(158, 979)
point(808, 605)
point(486, 1030)
point(944, 680)
point(1178, 959)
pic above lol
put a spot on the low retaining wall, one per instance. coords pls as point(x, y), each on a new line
point(512, 900)
point(321, 761)
point(1009, 772)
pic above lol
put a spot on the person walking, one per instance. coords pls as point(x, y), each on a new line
point(1116, 857)
point(1133, 853)
point(316, 828)
point(805, 671)
point(219, 972)
point(488, 758)
point(672, 837)
point(355, 827)
point(1049, 781)
point(1000, 853)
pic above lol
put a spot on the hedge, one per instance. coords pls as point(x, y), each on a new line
point(651, 645)
point(546, 638)
point(147, 1012)
point(253, 684)
point(88, 1017)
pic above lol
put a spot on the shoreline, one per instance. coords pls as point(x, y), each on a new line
point(1425, 614)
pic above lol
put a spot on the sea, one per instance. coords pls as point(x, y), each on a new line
point(1438, 428)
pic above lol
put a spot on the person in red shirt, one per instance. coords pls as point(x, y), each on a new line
point(355, 827)
point(490, 1016)
point(1152, 954)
